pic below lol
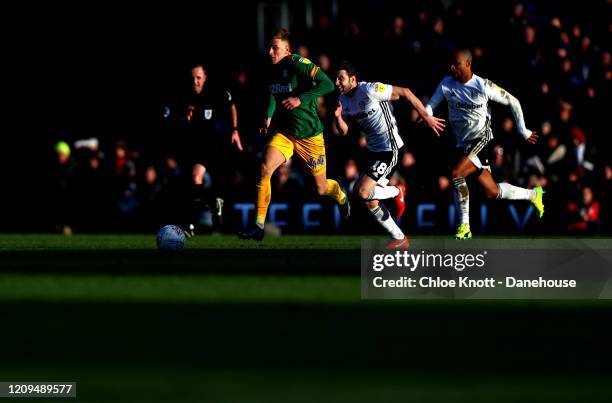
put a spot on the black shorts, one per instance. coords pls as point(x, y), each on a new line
point(479, 152)
point(381, 164)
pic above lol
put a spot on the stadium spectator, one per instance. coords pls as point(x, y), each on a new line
point(62, 194)
point(606, 199)
point(351, 176)
point(124, 186)
point(586, 213)
point(91, 184)
point(149, 188)
point(581, 153)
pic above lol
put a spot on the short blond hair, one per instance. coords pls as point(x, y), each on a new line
point(283, 35)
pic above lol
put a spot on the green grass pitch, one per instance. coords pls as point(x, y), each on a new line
point(232, 321)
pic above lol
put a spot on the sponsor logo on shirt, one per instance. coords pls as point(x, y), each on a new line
point(465, 105)
point(365, 114)
point(380, 88)
point(280, 88)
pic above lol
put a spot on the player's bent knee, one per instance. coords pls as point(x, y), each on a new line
point(321, 189)
point(266, 170)
point(457, 173)
point(371, 204)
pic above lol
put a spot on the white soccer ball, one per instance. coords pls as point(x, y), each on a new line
point(170, 237)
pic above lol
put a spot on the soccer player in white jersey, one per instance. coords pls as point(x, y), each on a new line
point(469, 114)
point(369, 105)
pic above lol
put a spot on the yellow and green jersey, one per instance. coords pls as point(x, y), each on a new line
point(295, 76)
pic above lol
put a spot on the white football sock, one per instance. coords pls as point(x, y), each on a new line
point(511, 192)
point(381, 214)
point(383, 192)
point(462, 200)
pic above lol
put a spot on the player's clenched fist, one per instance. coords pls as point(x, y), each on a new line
point(338, 110)
point(265, 125)
point(533, 138)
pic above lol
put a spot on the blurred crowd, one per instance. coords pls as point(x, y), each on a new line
point(554, 59)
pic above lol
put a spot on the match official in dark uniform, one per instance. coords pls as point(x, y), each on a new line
point(205, 120)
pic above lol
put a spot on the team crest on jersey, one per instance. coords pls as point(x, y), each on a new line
point(304, 60)
point(497, 87)
point(207, 114)
point(380, 87)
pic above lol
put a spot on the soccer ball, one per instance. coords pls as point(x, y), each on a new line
point(170, 237)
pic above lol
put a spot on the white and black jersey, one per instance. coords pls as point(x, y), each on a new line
point(369, 105)
point(469, 112)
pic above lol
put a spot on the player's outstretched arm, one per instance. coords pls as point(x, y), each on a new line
point(436, 124)
point(435, 99)
point(340, 123)
point(501, 96)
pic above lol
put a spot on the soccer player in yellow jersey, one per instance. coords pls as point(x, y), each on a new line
point(294, 85)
